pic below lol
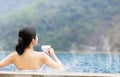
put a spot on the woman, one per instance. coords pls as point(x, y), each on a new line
point(26, 58)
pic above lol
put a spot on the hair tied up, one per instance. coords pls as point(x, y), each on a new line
point(20, 39)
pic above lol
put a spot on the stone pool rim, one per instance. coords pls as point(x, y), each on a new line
point(66, 74)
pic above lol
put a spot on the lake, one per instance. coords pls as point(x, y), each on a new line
point(83, 62)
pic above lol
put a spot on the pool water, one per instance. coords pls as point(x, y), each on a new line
point(84, 62)
point(91, 62)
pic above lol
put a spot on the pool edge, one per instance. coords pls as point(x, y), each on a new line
point(65, 74)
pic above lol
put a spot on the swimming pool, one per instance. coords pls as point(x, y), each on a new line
point(84, 62)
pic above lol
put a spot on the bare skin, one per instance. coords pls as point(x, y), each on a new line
point(33, 60)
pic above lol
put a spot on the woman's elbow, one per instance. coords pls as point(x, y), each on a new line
point(60, 68)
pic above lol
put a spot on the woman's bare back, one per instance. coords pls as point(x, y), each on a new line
point(28, 61)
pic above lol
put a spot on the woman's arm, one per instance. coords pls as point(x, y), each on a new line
point(8, 60)
point(54, 63)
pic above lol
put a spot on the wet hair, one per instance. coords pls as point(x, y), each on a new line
point(25, 35)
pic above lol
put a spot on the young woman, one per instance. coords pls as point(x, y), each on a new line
point(26, 58)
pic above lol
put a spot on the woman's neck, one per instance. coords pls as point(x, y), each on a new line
point(29, 49)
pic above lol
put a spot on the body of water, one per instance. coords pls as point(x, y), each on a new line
point(84, 62)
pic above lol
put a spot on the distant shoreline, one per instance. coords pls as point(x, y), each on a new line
point(94, 52)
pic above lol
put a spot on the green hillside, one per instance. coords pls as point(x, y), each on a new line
point(60, 23)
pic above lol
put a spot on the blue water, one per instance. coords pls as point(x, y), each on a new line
point(84, 62)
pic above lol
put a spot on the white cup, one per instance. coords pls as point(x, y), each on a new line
point(45, 48)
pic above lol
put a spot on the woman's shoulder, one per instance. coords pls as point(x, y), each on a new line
point(13, 54)
point(41, 54)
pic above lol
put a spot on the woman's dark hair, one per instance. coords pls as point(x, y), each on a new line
point(26, 35)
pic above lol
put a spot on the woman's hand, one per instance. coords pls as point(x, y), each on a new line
point(51, 52)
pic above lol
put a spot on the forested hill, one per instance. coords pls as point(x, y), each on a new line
point(64, 24)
